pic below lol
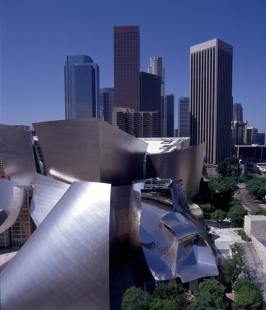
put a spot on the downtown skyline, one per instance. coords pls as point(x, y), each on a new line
point(36, 37)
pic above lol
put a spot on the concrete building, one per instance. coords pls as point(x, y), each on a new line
point(126, 66)
point(239, 132)
point(169, 115)
point(82, 92)
point(156, 67)
point(183, 117)
point(211, 97)
point(237, 112)
point(106, 103)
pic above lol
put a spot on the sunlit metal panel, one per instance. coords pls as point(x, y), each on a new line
point(184, 164)
point(65, 263)
point(17, 154)
point(90, 150)
point(47, 192)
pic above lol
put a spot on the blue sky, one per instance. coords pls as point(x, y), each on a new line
point(37, 35)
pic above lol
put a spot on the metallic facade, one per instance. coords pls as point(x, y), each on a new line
point(184, 164)
point(47, 192)
point(12, 198)
point(90, 150)
point(211, 98)
point(17, 154)
point(65, 263)
point(126, 66)
point(165, 242)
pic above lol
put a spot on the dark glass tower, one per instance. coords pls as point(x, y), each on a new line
point(183, 117)
point(82, 93)
point(211, 97)
point(106, 103)
point(237, 112)
point(126, 67)
point(170, 115)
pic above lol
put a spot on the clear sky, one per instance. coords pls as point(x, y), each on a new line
point(37, 35)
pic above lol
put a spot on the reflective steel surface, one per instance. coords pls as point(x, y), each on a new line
point(11, 200)
point(185, 164)
point(65, 263)
point(165, 238)
point(47, 192)
point(17, 154)
point(90, 150)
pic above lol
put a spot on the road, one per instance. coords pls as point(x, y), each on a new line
point(249, 202)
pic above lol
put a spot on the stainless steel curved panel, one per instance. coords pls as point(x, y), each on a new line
point(184, 164)
point(47, 192)
point(65, 263)
point(13, 198)
point(170, 242)
point(17, 154)
point(90, 150)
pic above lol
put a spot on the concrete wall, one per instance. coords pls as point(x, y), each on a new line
point(255, 225)
point(260, 249)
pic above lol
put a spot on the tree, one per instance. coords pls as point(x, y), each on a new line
point(247, 295)
point(210, 295)
point(229, 167)
point(223, 185)
point(234, 265)
point(175, 293)
point(218, 215)
point(207, 210)
point(135, 299)
point(257, 188)
point(162, 304)
point(236, 213)
point(259, 211)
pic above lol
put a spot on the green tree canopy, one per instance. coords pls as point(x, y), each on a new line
point(259, 211)
point(247, 295)
point(210, 295)
point(257, 187)
point(175, 293)
point(229, 167)
point(236, 213)
point(234, 265)
point(162, 304)
point(135, 299)
point(218, 215)
point(223, 185)
point(207, 210)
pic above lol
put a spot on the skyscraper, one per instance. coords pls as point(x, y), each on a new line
point(157, 68)
point(170, 115)
point(183, 117)
point(150, 95)
point(237, 112)
point(211, 97)
point(106, 103)
point(126, 67)
point(81, 87)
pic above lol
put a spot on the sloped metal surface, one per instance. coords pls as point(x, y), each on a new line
point(171, 244)
point(90, 150)
point(12, 198)
point(17, 154)
point(65, 263)
point(47, 192)
point(185, 164)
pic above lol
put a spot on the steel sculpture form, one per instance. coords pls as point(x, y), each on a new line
point(90, 150)
point(184, 164)
point(65, 263)
point(47, 192)
point(16, 150)
point(12, 197)
point(165, 240)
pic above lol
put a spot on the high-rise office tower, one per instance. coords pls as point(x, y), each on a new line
point(106, 103)
point(211, 97)
point(252, 135)
point(237, 112)
point(82, 93)
point(126, 66)
point(170, 115)
point(183, 117)
point(150, 95)
point(156, 67)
